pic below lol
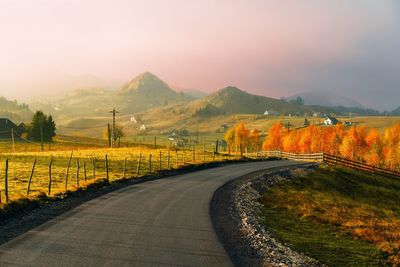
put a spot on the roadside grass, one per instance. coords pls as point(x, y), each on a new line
point(338, 216)
point(20, 165)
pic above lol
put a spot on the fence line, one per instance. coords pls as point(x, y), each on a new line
point(333, 160)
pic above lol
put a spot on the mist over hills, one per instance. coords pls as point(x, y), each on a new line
point(327, 99)
point(14, 111)
point(395, 112)
point(148, 97)
point(144, 92)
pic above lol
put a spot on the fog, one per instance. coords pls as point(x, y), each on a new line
point(273, 48)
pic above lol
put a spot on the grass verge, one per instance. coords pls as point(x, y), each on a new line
point(339, 216)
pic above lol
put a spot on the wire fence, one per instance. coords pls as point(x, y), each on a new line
point(30, 174)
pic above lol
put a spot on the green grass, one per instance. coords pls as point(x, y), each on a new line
point(338, 216)
point(324, 242)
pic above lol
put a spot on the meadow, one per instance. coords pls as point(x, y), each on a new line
point(339, 216)
point(87, 163)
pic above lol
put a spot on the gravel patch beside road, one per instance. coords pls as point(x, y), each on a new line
point(235, 211)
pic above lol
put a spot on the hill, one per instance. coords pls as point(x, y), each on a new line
point(147, 91)
point(14, 111)
point(236, 101)
point(144, 92)
point(395, 112)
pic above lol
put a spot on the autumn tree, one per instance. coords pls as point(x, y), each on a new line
point(255, 140)
point(391, 150)
point(241, 137)
point(230, 137)
point(274, 139)
point(353, 145)
point(373, 154)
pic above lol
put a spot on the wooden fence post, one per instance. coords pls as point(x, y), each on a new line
point(177, 160)
point(77, 172)
point(124, 168)
point(30, 177)
point(66, 175)
point(6, 181)
point(107, 175)
point(150, 163)
point(84, 171)
point(160, 161)
point(168, 159)
point(204, 153)
point(94, 167)
point(138, 165)
point(194, 153)
point(50, 165)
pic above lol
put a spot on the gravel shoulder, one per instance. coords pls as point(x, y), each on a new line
point(235, 212)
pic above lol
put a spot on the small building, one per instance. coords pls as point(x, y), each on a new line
point(330, 121)
point(7, 126)
point(271, 112)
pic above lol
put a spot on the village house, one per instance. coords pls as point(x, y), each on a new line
point(7, 126)
point(330, 121)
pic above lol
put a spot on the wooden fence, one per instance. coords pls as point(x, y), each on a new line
point(338, 161)
point(316, 157)
point(332, 160)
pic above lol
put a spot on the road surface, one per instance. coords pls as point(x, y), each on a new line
point(158, 223)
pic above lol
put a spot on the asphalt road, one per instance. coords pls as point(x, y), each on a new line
point(159, 223)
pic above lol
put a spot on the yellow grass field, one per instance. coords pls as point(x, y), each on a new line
point(20, 165)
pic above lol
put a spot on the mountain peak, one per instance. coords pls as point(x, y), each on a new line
point(146, 81)
point(230, 90)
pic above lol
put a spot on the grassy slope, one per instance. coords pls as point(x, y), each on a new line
point(341, 217)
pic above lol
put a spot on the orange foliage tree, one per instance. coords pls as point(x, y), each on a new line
point(274, 138)
point(243, 138)
point(355, 143)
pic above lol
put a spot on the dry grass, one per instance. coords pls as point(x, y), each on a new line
point(364, 205)
point(20, 165)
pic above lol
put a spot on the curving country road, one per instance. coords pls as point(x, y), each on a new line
point(158, 223)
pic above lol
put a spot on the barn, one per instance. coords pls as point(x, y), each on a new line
point(7, 126)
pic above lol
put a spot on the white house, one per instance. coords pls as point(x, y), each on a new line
point(271, 112)
point(330, 121)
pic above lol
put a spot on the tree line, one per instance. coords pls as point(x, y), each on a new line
point(354, 143)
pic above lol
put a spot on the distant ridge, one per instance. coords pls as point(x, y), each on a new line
point(395, 111)
point(233, 100)
point(145, 91)
point(13, 111)
point(326, 99)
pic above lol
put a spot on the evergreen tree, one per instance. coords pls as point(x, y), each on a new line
point(42, 125)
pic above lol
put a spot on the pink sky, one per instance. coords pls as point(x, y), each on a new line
point(274, 48)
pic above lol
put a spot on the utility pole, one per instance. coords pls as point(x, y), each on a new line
point(114, 112)
point(197, 135)
point(12, 139)
point(41, 136)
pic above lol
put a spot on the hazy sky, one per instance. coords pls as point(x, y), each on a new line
point(274, 48)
